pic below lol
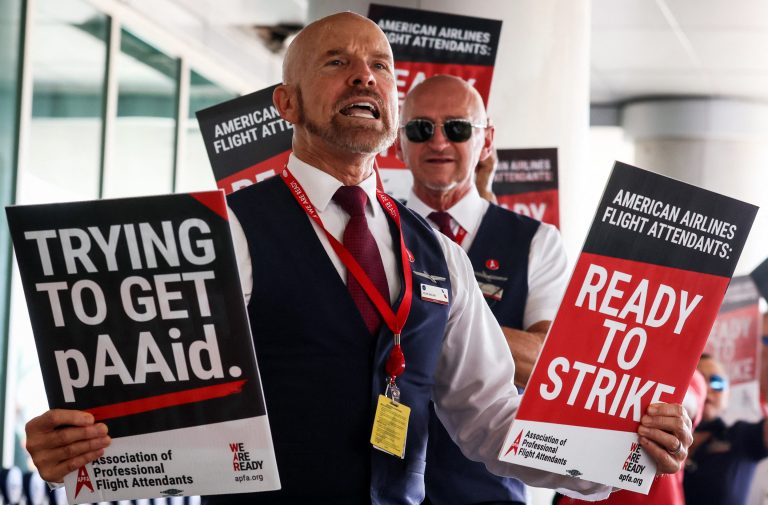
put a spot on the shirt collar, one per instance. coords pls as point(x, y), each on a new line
point(467, 212)
point(321, 186)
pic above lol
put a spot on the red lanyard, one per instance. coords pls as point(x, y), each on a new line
point(394, 321)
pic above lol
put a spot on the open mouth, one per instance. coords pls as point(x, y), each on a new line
point(361, 109)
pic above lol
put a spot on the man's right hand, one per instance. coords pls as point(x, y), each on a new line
point(61, 441)
point(484, 172)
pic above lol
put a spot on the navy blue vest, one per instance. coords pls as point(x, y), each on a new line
point(502, 243)
point(322, 371)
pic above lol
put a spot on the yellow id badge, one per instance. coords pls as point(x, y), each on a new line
point(390, 427)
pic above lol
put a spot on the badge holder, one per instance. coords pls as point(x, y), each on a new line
point(390, 425)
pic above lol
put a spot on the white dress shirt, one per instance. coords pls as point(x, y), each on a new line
point(547, 263)
point(474, 395)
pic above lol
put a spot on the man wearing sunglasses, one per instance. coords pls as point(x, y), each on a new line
point(722, 459)
point(519, 263)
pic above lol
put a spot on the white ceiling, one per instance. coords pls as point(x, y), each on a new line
point(679, 47)
point(247, 12)
point(639, 48)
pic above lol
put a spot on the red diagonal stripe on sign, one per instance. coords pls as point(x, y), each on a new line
point(167, 400)
point(214, 200)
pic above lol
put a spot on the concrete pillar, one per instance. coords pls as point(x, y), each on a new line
point(718, 144)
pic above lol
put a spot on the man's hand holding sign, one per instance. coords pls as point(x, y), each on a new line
point(666, 434)
point(59, 450)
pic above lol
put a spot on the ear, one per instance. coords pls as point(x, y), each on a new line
point(490, 133)
point(286, 102)
point(399, 149)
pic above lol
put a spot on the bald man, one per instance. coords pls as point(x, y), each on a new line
point(324, 357)
point(518, 262)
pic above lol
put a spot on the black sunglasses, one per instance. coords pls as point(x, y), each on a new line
point(455, 130)
point(718, 382)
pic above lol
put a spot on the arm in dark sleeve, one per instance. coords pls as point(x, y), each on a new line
point(750, 438)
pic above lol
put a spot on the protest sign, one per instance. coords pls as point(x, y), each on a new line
point(526, 182)
point(246, 139)
point(735, 342)
point(426, 43)
point(634, 319)
point(138, 317)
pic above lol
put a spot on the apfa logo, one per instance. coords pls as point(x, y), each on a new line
point(83, 480)
point(515, 445)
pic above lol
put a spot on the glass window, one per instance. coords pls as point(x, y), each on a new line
point(68, 60)
point(141, 162)
point(10, 19)
point(10, 22)
point(195, 173)
point(62, 160)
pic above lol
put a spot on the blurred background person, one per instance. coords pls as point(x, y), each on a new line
point(722, 459)
point(758, 494)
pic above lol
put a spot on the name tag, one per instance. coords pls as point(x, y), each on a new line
point(434, 294)
point(491, 291)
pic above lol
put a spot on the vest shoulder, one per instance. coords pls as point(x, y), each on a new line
point(268, 186)
point(407, 213)
point(417, 225)
point(510, 218)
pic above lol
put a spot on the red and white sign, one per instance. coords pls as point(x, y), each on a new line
point(526, 182)
point(426, 43)
point(634, 319)
point(246, 139)
point(735, 342)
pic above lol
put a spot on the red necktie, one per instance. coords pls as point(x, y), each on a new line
point(443, 222)
point(360, 243)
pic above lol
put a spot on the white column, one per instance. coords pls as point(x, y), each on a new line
point(718, 144)
point(540, 93)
